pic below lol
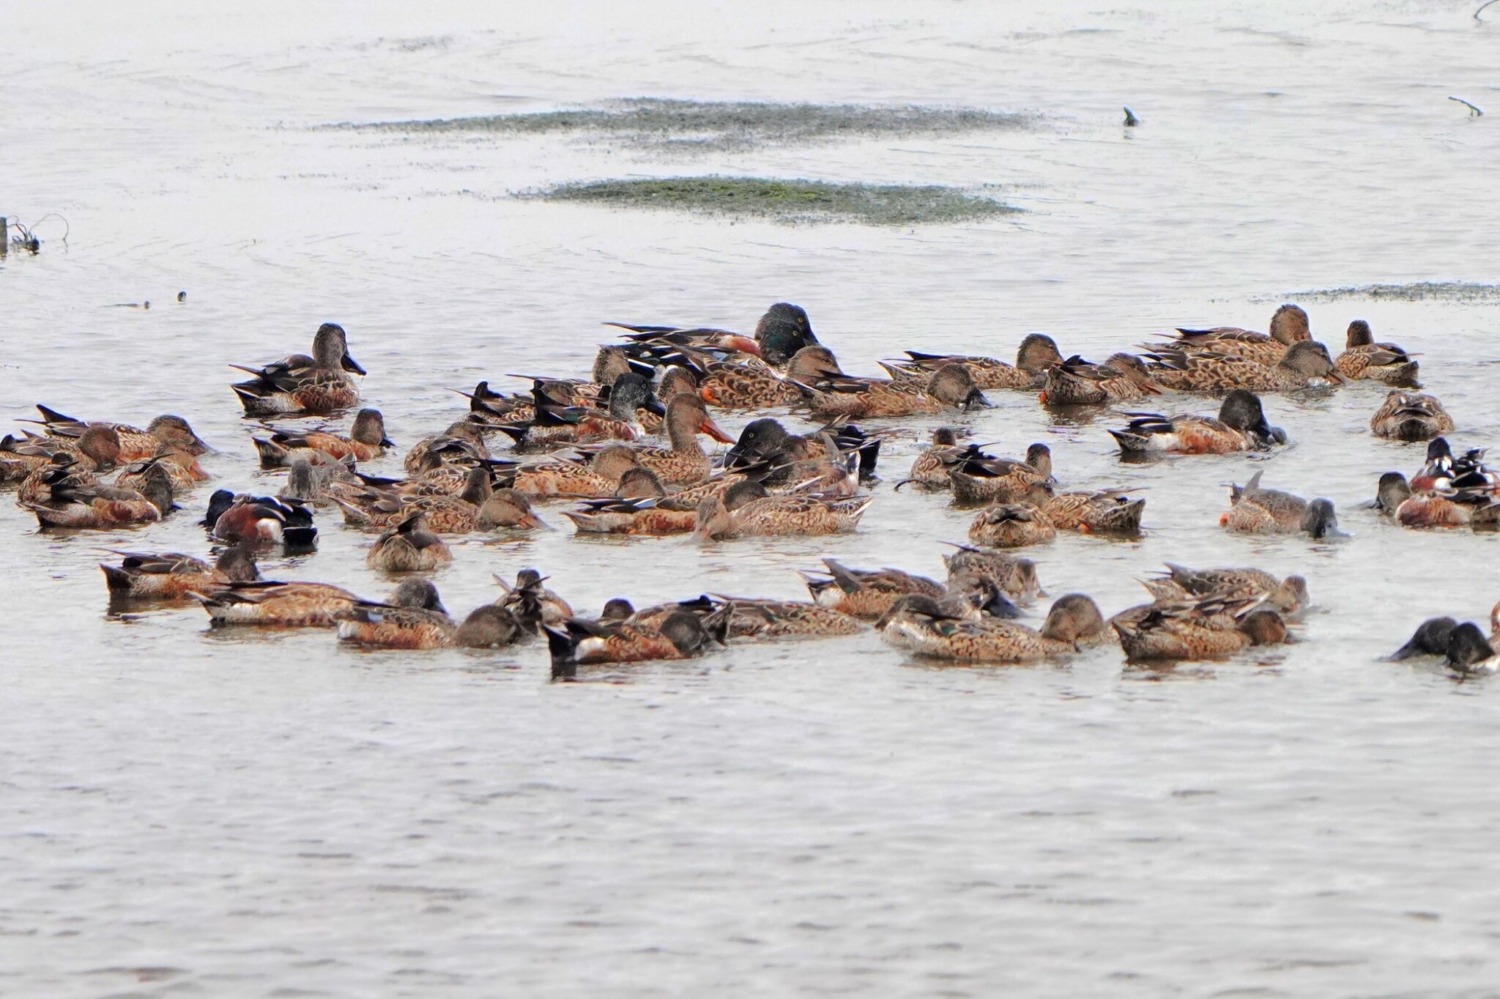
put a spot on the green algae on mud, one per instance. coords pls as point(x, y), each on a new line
point(726, 125)
point(788, 201)
point(1421, 291)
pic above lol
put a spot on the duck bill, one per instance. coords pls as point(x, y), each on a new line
point(350, 364)
point(533, 521)
point(708, 426)
point(743, 344)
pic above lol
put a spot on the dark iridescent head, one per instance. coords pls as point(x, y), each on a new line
point(1242, 410)
point(221, 500)
point(1430, 639)
point(758, 440)
point(1468, 647)
point(782, 331)
point(628, 393)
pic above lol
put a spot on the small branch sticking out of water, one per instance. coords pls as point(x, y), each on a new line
point(1131, 121)
point(1474, 112)
point(1482, 7)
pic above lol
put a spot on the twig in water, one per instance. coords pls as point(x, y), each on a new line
point(1131, 121)
point(1482, 7)
point(1474, 112)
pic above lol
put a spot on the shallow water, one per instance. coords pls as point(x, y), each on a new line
point(205, 813)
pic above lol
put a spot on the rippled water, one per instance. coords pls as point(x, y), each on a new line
point(192, 813)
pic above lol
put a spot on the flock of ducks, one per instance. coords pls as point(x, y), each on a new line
point(623, 447)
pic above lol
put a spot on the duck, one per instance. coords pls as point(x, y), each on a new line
point(133, 444)
point(847, 397)
point(414, 619)
point(272, 604)
point(1289, 325)
point(760, 618)
point(1470, 651)
point(781, 331)
point(638, 516)
point(479, 507)
point(682, 635)
point(553, 426)
point(1430, 639)
point(977, 477)
point(866, 593)
point(532, 604)
point(72, 504)
point(311, 386)
point(1011, 525)
point(366, 441)
point(1037, 353)
point(1075, 382)
point(1200, 630)
point(689, 337)
point(460, 443)
point(1240, 426)
point(1013, 576)
point(173, 575)
point(685, 462)
point(1395, 498)
point(1305, 364)
point(1104, 511)
point(561, 476)
point(1410, 416)
point(918, 624)
point(1256, 510)
point(255, 520)
point(730, 385)
point(1444, 470)
point(930, 468)
point(1181, 584)
point(747, 510)
point(766, 452)
point(488, 627)
point(1363, 358)
point(408, 547)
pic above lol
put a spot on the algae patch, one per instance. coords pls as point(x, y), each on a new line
point(725, 125)
point(788, 201)
point(1422, 291)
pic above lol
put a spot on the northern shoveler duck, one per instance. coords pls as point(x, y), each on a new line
point(1289, 325)
point(1363, 358)
point(980, 478)
point(1256, 510)
point(1410, 416)
point(776, 458)
point(479, 507)
point(685, 462)
point(1444, 470)
point(1180, 584)
point(1303, 365)
point(1105, 511)
point(460, 442)
point(691, 337)
point(1037, 353)
point(71, 504)
point(747, 510)
point(866, 593)
point(1240, 426)
point(758, 386)
point(919, 625)
point(1076, 382)
point(1430, 639)
point(558, 476)
point(488, 627)
point(930, 468)
point(277, 605)
point(643, 516)
point(1015, 577)
point(1189, 631)
point(173, 576)
point(532, 604)
point(950, 387)
point(783, 330)
point(366, 440)
point(1451, 508)
point(134, 444)
point(681, 636)
point(764, 619)
point(182, 470)
point(252, 520)
point(313, 386)
point(1470, 651)
point(408, 547)
point(553, 426)
point(415, 618)
point(1011, 525)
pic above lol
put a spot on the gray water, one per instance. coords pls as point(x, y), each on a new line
point(197, 813)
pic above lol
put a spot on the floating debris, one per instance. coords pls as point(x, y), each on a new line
point(1421, 291)
point(789, 201)
point(730, 125)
